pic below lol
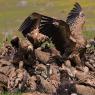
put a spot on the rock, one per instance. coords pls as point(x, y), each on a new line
point(86, 69)
point(55, 73)
point(46, 86)
point(41, 70)
point(74, 94)
point(31, 84)
point(91, 61)
point(42, 56)
point(35, 93)
point(17, 80)
point(66, 88)
point(85, 90)
point(90, 66)
point(68, 63)
point(85, 78)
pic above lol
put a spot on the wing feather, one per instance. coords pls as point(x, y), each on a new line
point(29, 23)
point(47, 26)
point(74, 14)
point(76, 20)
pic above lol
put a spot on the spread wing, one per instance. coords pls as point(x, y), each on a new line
point(76, 20)
point(76, 17)
point(35, 20)
point(57, 30)
point(30, 23)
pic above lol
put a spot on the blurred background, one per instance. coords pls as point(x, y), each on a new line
point(14, 12)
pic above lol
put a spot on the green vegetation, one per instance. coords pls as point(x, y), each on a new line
point(13, 12)
point(6, 93)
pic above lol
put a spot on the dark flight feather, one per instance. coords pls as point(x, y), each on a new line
point(47, 26)
point(29, 24)
point(74, 13)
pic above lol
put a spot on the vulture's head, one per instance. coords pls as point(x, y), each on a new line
point(15, 42)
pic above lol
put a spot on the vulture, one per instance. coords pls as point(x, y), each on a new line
point(62, 33)
point(76, 20)
point(15, 42)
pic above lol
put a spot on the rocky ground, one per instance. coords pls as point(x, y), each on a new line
point(44, 71)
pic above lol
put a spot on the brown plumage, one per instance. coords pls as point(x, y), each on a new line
point(15, 42)
point(63, 34)
point(76, 20)
point(55, 29)
point(30, 23)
